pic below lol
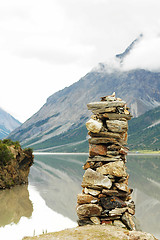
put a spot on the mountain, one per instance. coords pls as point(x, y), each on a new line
point(7, 123)
point(59, 124)
point(144, 131)
point(65, 111)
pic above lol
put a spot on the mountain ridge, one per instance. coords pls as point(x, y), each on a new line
point(7, 123)
point(66, 109)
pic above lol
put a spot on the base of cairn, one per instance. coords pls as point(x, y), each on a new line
point(106, 198)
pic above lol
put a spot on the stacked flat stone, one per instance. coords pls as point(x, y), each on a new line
point(106, 197)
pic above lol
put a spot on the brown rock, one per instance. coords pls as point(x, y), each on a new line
point(95, 150)
point(116, 169)
point(124, 136)
point(123, 150)
point(85, 198)
point(117, 126)
point(88, 210)
point(88, 165)
point(93, 179)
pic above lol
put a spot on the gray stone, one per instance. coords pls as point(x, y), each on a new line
point(93, 192)
point(94, 179)
point(122, 186)
point(117, 126)
point(95, 220)
point(94, 125)
point(128, 220)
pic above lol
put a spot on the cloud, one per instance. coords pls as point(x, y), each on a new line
point(145, 55)
point(47, 45)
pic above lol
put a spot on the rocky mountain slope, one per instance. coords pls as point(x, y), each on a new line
point(65, 112)
point(7, 123)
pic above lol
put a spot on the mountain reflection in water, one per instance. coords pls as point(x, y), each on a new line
point(58, 179)
point(14, 204)
point(49, 202)
point(145, 180)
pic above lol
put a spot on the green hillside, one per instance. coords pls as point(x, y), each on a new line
point(141, 136)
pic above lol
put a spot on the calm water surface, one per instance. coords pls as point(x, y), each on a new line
point(48, 203)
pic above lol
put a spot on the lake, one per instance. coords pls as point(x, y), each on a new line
point(48, 203)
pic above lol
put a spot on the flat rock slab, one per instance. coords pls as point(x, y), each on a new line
point(95, 105)
point(100, 140)
point(118, 211)
point(103, 159)
point(116, 116)
point(92, 192)
point(93, 179)
point(94, 232)
point(88, 210)
point(122, 186)
point(85, 198)
point(117, 126)
point(106, 134)
point(116, 169)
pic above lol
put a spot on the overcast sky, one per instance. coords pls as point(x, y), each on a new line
point(46, 45)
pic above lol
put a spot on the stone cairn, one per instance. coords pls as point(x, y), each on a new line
point(106, 198)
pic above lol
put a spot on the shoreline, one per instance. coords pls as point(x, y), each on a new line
point(83, 153)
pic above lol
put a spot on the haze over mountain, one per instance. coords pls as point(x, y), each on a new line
point(65, 111)
point(7, 123)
